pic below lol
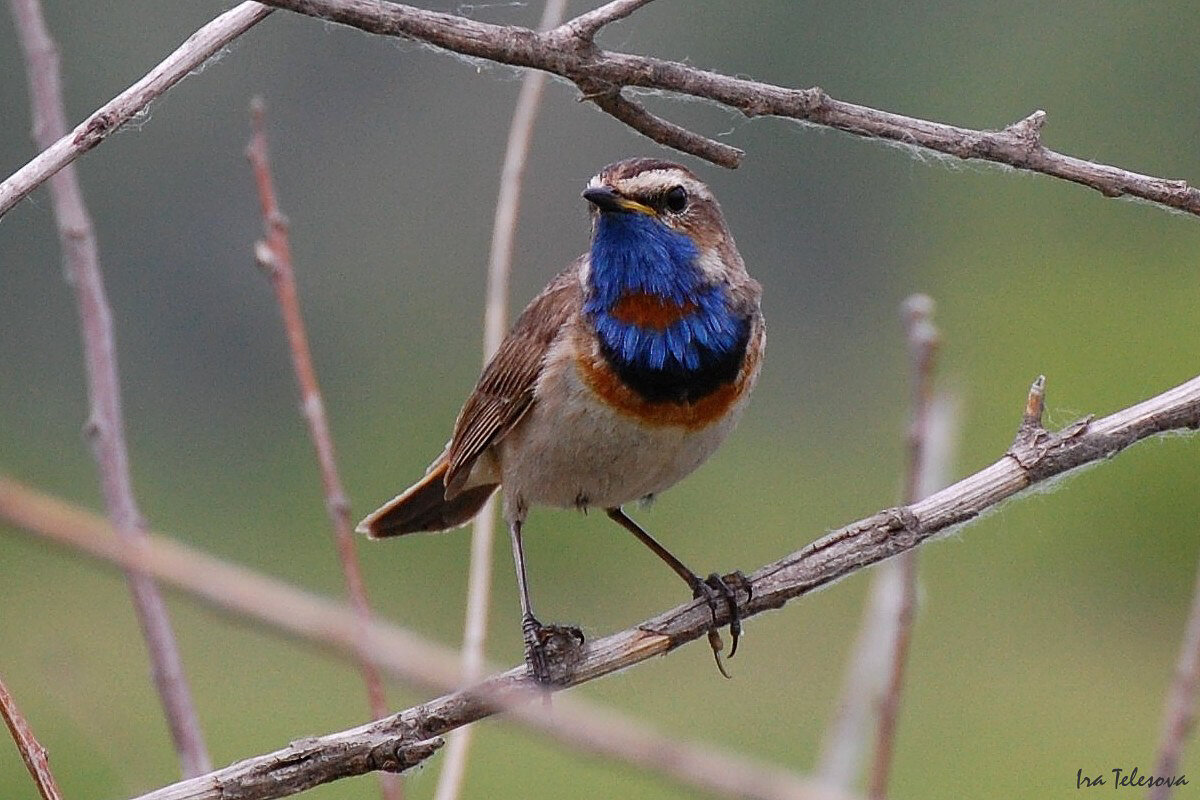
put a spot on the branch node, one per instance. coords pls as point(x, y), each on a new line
point(1029, 130)
point(1035, 403)
point(1028, 444)
point(264, 258)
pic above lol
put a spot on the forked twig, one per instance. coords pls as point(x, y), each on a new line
point(105, 427)
point(274, 256)
point(573, 55)
point(570, 52)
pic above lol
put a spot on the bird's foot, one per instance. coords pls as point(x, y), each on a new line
point(550, 650)
point(714, 589)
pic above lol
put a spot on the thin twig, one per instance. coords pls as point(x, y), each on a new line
point(1179, 717)
point(107, 119)
point(32, 752)
point(922, 339)
point(588, 24)
point(105, 426)
point(654, 127)
point(495, 322)
point(566, 53)
point(274, 256)
point(247, 596)
point(572, 55)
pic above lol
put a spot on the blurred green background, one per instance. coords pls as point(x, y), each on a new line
point(1047, 632)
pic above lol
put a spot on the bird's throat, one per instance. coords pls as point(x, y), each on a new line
point(663, 326)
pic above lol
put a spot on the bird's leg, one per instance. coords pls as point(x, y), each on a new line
point(542, 642)
point(710, 589)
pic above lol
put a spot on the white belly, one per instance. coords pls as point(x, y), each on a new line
point(572, 450)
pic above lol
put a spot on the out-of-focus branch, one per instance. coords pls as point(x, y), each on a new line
point(62, 148)
point(569, 51)
point(495, 322)
point(1035, 455)
point(105, 426)
point(247, 596)
point(1179, 716)
point(274, 256)
point(873, 666)
point(922, 338)
point(32, 752)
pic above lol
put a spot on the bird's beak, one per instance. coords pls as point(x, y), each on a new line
point(606, 199)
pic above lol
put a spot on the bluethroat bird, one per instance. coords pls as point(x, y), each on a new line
point(617, 381)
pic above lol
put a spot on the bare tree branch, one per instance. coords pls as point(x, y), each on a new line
point(1179, 716)
point(571, 54)
point(495, 324)
point(249, 596)
point(105, 426)
point(274, 256)
point(923, 340)
point(32, 752)
point(112, 115)
point(568, 51)
point(1035, 455)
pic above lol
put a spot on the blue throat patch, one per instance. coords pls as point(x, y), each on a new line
point(635, 254)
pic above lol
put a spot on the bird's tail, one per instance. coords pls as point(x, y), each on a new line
point(425, 507)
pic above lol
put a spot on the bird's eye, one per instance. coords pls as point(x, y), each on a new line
point(676, 199)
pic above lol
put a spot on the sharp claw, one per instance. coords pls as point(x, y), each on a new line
point(710, 589)
point(714, 641)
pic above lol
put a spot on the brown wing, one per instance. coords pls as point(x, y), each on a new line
point(505, 390)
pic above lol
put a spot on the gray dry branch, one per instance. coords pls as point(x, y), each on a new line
point(602, 76)
point(570, 52)
point(410, 736)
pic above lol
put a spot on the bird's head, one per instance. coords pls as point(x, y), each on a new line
point(664, 285)
point(649, 194)
point(658, 228)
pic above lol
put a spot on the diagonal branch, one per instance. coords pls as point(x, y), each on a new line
point(32, 752)
point(105, 120)
point(247, 596)
point(274, 255)
point(105, 426)
point(1035, 456)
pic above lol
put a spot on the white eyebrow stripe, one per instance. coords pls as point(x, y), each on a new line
point(659, 180)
